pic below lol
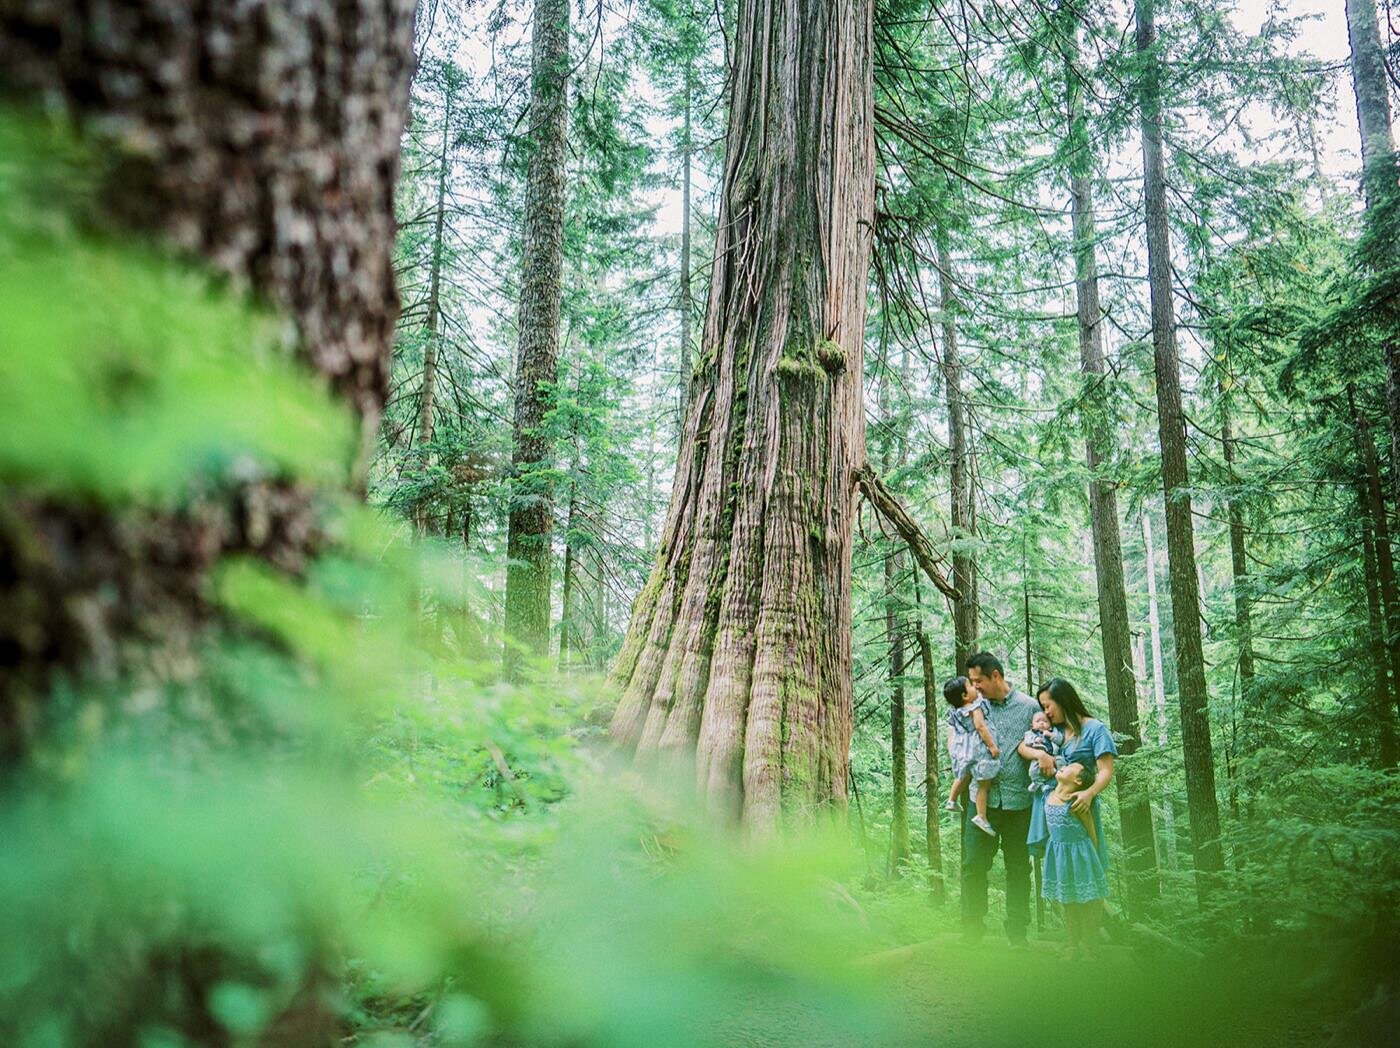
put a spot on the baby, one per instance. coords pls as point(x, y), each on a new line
point(1047, 738)
point(972, 745)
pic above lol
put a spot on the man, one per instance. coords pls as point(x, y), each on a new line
point(1008, 807)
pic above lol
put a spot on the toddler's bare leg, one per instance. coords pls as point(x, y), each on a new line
point(958, 786)
point(983, 786)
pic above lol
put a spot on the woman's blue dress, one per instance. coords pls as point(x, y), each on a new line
point(1092, 742)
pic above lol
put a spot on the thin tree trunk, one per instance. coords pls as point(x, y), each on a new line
point(964, 576)
point(1135, 814)
point(567, 628)
point(1385, 577)
point(1181, 553)
point(566, 619)
point(426, 402)
point(1239, 565)
point(739, 648)
point(899, 774)
point(1384, 699)
point(894, 631)
point(1378, 173)
point(600, 611)
point(1159, 690)
point(933, 843)
point(1026, 624)
point(531, 520)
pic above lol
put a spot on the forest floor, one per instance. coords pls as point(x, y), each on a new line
point(944, 993)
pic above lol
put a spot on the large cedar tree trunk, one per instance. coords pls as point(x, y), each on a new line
point(1171, 421)
point(1134, 812)
point(531, 523)
point(261, 139)
point(739, 648)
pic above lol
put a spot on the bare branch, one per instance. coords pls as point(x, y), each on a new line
point(889, 507)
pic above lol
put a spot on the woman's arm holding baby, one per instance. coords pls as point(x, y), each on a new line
point(1084, 798)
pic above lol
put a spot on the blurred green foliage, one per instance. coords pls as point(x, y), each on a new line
point(341, 822)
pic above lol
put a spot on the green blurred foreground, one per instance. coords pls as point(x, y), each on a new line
point(320, 831)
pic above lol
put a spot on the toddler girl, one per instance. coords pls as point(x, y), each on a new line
point(972, 745)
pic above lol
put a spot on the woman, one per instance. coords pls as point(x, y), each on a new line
point(1089, 744)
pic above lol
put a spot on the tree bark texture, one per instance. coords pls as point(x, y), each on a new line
point(1181, 553)
point(1378, 171)
point(964, 575)
point(262, 140)
point(1135, 814)
point(739, 648)
point(530, 526)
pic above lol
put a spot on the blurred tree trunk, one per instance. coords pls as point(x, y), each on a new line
point(964, 576)
point(531, 520)
point(289, 194)
point(738, 654)
point(1135, 814)
point(1378, 173)
point(1171, 420)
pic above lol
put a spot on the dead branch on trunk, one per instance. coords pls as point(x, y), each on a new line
point(889, 507)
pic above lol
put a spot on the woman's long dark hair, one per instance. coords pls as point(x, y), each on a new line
point(1064, 696)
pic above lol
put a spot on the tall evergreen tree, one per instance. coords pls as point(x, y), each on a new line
point(1171, 422)
point(532, 501)
point(1134, 812)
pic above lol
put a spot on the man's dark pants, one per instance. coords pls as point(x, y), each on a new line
point(979, 850)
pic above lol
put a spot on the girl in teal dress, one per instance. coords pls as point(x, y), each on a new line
point(1088, 747)
point(1074, 875)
